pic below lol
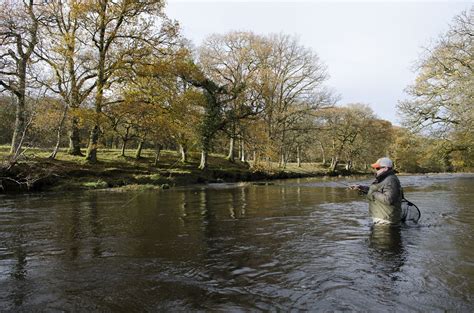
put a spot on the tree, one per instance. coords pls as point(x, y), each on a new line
point(49, 118)
point(231, 60)
point(181, 103)
point(216, 97)
point(442, 95)
point(122, 120)
point(375, 141)
point(291, 84)
point(64, 48)
point(19, 23)
point(344, 125)
point(122, 33)
point(186, 114)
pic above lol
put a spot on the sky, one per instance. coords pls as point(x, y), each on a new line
point(370, 47)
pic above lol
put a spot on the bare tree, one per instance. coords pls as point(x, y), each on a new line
point(231, 60)
point(19, 22)
point(443, 93)
point(291, 80)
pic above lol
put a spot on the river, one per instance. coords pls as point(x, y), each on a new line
point(304, 244)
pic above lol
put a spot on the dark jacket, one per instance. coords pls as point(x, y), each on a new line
point(385, 198)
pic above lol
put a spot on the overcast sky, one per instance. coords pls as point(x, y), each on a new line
point(369, 47)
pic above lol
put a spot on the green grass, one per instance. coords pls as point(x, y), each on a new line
point(99, 184)
point(68, 172)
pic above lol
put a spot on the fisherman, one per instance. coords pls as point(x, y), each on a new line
point(384, 194)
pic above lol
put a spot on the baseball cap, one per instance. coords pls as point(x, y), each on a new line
point(383, 162)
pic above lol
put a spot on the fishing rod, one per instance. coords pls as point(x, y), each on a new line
point(344, 184)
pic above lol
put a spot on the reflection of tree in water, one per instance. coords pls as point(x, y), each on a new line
point(95, 225)
point(83, 224)
point(241, 257)
point(454, 252)
point(74, 232)
point(228, 242)
point(208, 216)
point(19, 271)
point(387, 248)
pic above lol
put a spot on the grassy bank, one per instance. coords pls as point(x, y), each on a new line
point(35, 171)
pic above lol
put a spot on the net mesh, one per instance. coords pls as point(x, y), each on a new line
point(410, 211)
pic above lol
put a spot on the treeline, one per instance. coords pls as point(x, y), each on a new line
point(119, 74)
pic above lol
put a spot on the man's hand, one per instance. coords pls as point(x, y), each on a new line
point(360, 188)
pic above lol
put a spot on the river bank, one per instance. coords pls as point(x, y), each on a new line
point(36, 172)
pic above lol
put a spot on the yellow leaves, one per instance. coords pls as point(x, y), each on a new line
point(47, 115)
point(78, 7)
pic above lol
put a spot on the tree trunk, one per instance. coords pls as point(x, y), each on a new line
point(231, 156)
point(242, 151)
point(280, 158)
point(183, 150)
point(239, 155)
point(204, 156)
point(124, 143)
point(334, 163)
point(74, 138)
point(19, 124)
point(24, 51)
point(52, 156)
point(125, 139)
point(157, 153)
point(349, 165)
point(298, 156)
point(101, 81)
point(323, 152)
point(138, 153)
point(281, 162)
point(20, 116)
point(286, 157)
point(91, 154)
point(75, 98)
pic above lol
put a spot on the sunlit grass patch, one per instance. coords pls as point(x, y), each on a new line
point(99, 184)
point(180, 171)
point(139, 187)
point(152, 177)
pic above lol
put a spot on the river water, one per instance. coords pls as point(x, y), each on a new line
point(303, 244)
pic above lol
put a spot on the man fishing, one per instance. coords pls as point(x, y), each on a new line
point(384, 194)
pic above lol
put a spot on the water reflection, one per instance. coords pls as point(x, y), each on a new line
point(75, 233)
point(95, 225)
point(84, 228)
point(386, 248)
point(293, 245)
point(386, 239)
point(19, 271)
